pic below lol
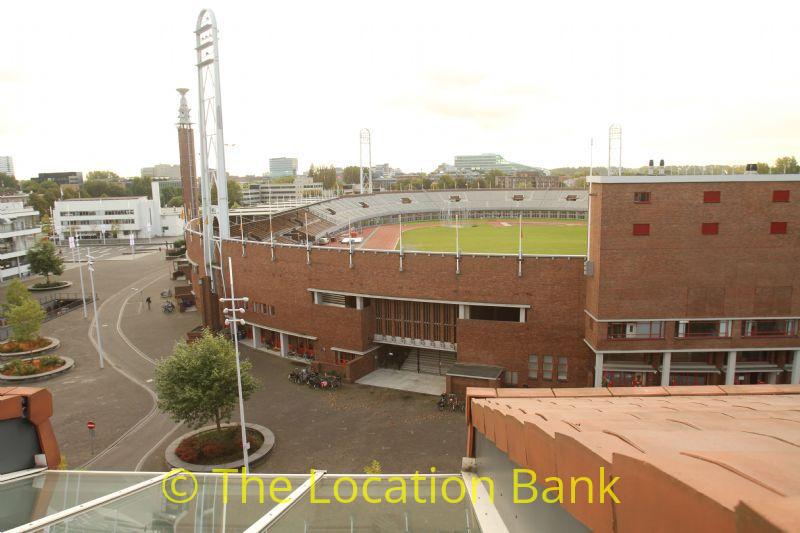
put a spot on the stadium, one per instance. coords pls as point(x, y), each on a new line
point(528, 288)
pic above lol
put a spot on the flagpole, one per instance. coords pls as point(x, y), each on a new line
point(458, 250)
point(271, 237)
point(519, 260)
point(401, 242)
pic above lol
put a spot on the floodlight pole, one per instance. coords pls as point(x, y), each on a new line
point(80, 270)
point(234, 322)
point(94, 304)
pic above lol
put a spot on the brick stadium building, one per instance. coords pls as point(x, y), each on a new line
point(688, 280)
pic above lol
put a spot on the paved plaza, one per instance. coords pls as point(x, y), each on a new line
point(340, 431)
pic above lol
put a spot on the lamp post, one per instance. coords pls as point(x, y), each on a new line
point(94, 304)
point(75, 245)
point(234, 322)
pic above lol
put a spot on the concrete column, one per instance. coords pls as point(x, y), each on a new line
point(666, 363)
point(522, 314)
point(284, 344)
point(730, 373)
point(795, 379)
point(772, 378)
point(359, 302)
point(598, 369)
point(257, 338)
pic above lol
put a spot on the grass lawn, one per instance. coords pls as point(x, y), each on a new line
point(480, 237)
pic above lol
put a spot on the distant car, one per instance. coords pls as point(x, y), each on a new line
point(323, 240)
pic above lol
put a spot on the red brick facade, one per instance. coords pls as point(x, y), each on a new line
point(677, 271)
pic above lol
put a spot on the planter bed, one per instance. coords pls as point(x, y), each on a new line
point(47, 343)
point(201, 450)
point(64, 364)
point(52, 287)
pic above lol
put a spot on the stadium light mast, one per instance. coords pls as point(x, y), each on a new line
point(615, 150)
point(212, 143)
point(365, 141)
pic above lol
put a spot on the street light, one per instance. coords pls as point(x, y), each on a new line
point(234, 323)
point(94, 304)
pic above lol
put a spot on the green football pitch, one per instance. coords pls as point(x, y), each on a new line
point(540, 237)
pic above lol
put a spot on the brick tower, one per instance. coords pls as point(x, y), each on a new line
point(191, 188)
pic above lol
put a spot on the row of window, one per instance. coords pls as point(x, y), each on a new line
point(712, 228)
point(546, 371)
point(702, 328)
point(95, 213)
point(263, 309)
point(709, 197)
point(108, 222)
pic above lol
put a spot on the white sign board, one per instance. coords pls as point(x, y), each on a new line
point(71, 243)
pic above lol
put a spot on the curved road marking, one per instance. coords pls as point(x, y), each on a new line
point(154, 410)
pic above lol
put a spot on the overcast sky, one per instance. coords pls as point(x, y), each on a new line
point(90, 85)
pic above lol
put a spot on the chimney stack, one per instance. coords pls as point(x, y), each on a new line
point(650, 168)
point(661, 169)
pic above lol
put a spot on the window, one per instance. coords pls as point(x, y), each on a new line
point(780, 196)
point(777, 228)
point(641, 197)
point(641, 229)
point(572, 198)
point(710, 228)
point(405, 200)
point(455, 198)
point(701, 328)
point(769, 328)
point(635, 330)
point(533, 367)
point(562, 368)
point(518, 197)
point(547, 368)
point(712, 197)
point(486, 312)
point(511, 378)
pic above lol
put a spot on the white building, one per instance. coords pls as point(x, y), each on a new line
point(162, 171)
point(19, 229)
point(93, 218)
point(298, 192)
point(6, 165)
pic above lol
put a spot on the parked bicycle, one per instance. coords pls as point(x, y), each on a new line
point(450, 402)
point(168, 307)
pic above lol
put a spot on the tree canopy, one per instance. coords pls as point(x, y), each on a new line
point(102, 175)
point(197, 383)
point(25, 320)
point(44, 260)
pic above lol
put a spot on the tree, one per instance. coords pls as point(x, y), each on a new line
point(16, 294)
point(8, 182)
point(140, 187)
point(25, 320)
point(44, 260)
point(175, 201)
point(763, 168)
point(492, 177)
point(786, 165)
point(234, 193)
point(47, 224)
point(197, 383)
point(102, 175)
point(350, 175)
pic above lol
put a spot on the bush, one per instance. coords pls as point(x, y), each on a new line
point(50, 360)
point(213, 449)
point(187, 452)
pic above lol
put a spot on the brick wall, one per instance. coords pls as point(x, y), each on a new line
point(553, 287)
